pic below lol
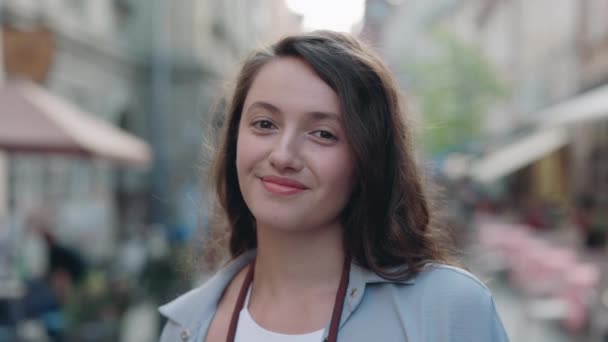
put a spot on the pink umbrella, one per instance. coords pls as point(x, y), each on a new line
point(34, 120)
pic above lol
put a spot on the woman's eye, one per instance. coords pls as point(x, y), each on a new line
point(325, 135)
point(263, 124)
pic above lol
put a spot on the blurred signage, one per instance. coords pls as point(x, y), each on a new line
point(28, 53)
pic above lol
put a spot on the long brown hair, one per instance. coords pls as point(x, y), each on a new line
point(387, 221)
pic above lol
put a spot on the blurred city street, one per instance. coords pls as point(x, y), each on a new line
point(536, 287)
point(107, 109)
point(511, 307)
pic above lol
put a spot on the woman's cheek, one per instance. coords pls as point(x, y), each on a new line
point(249, 149)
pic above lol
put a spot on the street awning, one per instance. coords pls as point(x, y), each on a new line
point(519, 154)
point(34, 120)
point(586, 107)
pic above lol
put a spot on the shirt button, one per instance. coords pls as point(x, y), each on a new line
point(185, 335)
point(353, 293)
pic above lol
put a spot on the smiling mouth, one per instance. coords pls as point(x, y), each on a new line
point(282, 186)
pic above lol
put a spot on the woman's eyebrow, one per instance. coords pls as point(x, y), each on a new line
point(264, 105)
point(315, 115)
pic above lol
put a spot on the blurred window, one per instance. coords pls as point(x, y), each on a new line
point(597, 22)
point(123, 10)
point(59, 178)
point(80, 179)
point(76, 6)
point(219, 31)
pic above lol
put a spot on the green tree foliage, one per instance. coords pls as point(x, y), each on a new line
point(453, 88)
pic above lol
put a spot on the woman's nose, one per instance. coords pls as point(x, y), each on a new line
point(285, 154)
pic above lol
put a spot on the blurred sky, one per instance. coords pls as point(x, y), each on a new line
point(338, 15)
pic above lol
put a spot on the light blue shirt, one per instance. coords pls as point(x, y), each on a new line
point(442, 303)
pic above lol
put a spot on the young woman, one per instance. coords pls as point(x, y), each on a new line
point(330, 229)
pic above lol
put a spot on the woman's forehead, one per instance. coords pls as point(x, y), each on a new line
point(290, 84)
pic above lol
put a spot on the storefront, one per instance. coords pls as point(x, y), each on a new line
point(564, 156)
point(37, 123)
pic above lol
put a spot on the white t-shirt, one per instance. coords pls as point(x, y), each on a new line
point(248, 330)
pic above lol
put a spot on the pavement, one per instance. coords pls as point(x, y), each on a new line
point(515, 312)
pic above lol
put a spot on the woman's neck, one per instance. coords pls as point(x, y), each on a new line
point(298, 262)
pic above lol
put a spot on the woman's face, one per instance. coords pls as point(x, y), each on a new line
point(295, 166)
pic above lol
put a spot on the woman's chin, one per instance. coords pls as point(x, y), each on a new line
point(283, 224)
point(286, 222)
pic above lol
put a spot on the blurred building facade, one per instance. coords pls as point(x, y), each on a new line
point(87, 62)
point(150, 67)
point(592, 138)
point(549, 53)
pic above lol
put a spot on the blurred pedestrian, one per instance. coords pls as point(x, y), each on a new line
point(592, 221)
point(330, 231)
point(66, 271)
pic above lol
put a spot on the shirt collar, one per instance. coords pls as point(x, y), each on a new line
point(364, 276)
point(359, 278)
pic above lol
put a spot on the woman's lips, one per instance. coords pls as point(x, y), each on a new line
point(282, 186)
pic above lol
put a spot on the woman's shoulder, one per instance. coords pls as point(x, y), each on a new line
point(444, 301)
point(452, 285)
point(437, 287)
point(443, 276)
